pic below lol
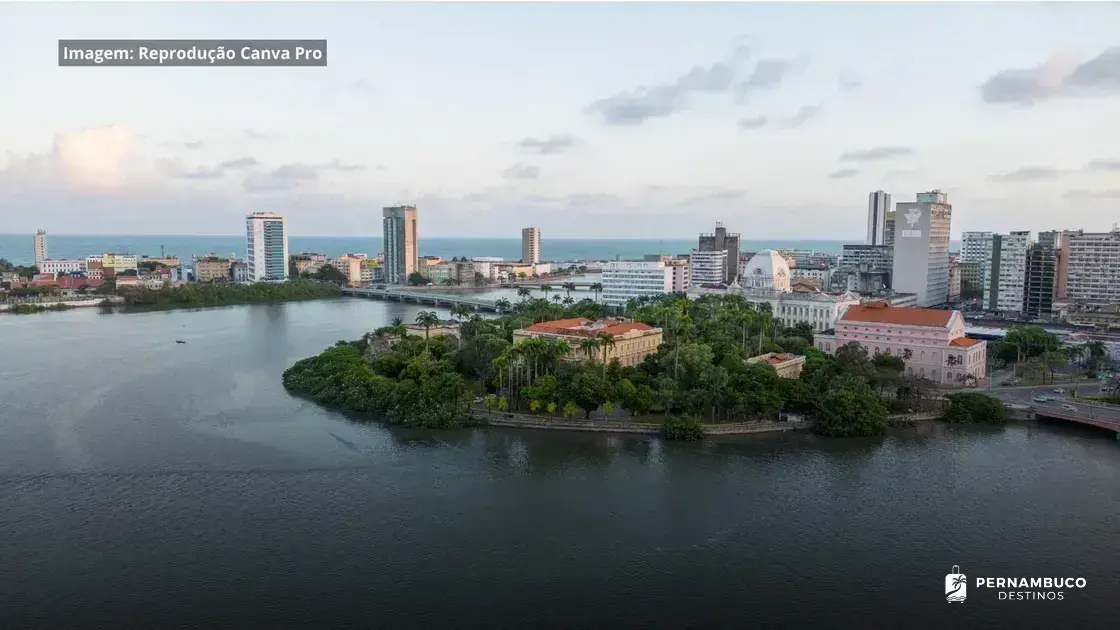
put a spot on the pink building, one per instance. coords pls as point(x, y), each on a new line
point(930, 341)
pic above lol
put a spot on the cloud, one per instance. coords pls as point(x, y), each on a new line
point(1083, 195)
point(193, 145)
point(753, 123)
point(335, 165)
point(521, 171)
point(253, 134)
point(548, 146)
point(239, 163)
point(769, 74)
point(1104, 165)
point(875, 154)
point(636, 106)
point(849, 82)
point(803, 115)
point(843, 173)
point(286, 177)
point(362, 85)
point(98, 160)
point(1060, 76)
point(1028, 174)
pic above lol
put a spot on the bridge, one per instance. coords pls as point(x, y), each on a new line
point(557, 285)
point(431, 299)
point(1093, 414)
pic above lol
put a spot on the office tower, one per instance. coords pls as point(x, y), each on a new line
point(720, 240)
point(1007, 271)
point(266, 247)
point(878, 205)
point(627, 280)
point(888, 229)
point(976, 247)
point(531, 245)
point(1042, 275)
point(40, 247)
point(921, 248)
point(401, 247)
point(1093, 270)
point(708, 267)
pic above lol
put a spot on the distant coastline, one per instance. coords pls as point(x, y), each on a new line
point(19, 248)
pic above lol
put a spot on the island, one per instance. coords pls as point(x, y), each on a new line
point(686, 365)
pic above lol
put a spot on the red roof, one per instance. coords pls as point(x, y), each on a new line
point(578, 326)
point(964, 342)
point(881, 313)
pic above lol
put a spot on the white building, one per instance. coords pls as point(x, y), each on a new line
point(821, 273)
point(767, 270)
point(40, 249)
point(818, 309)
point(531, 245)
point(708, 267)
point(1007, 265)
point(921, 248)
point(878, 205)
point(1093, 267)
point(266, 247)
point(627, 280)
point(62, 266)
point(977, 247)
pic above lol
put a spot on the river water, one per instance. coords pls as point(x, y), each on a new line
point(146, 483)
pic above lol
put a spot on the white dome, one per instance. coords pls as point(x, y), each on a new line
point(767, 270)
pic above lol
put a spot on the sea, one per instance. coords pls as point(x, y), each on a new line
point(19, 248)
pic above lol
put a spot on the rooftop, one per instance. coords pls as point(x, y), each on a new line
point(879, 312)
point(581, 327)
point(775, 358)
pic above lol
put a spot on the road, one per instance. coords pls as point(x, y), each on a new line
point(1024, 395)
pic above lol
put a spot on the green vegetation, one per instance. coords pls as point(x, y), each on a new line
point(699, 374)
point(1039, 357)
point(203, 295)
point(327, 273)
point(682, 429)
point(27, 309)
point(22, 270)
point(975, 408)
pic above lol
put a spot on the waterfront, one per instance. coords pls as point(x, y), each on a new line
point(174, 485)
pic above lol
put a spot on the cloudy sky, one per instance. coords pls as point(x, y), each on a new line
point(591, 120)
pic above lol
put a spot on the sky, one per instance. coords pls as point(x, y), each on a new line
point(588, 120)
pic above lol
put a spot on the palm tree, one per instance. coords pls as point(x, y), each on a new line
point(502, 305)
point(545, 289)
point(557, 299)
point(951, 360)
point(597, 287)
point(568, 301)
point(524, 293)
point(569, 287)
point(907, 354)
point(396, 321)
point(427, 319)
point(606, 342)
point(590, 347)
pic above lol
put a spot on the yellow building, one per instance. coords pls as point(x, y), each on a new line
point(786, 365)
point(116, 262)
point(350, 265)
point(211, 268)
point(306, 262)
point(633, 341)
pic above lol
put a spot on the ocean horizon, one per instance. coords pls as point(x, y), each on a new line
point(20, 248)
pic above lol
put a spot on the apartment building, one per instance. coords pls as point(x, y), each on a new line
point(48, 265)
point(627, 280)
point(399, 226)
point(1042, 275)
point(1093, 268)
point(1007, 268)
point(721, 240)
point(40, 247)
point(531, 245)
point(266, 247)
point(931, 342)
point(306, 262)
point(954, 281)
point(878, 205)
point(708, 267)
point(212, 268)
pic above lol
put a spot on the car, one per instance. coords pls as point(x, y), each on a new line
point(1069, 407)
point(1042, 398)
point(1059, 391)
point(479, 400)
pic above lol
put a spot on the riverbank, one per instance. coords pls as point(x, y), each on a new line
point(24, 308)
point(190, 296)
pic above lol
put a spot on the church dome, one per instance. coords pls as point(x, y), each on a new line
point(767, 270)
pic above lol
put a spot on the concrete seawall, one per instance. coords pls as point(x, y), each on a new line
point(520, 421)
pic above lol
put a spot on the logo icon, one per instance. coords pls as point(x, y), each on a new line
point(956, 586)
point(912, 216)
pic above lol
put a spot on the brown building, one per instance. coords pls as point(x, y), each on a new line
point(633, 341)
point(787, 365)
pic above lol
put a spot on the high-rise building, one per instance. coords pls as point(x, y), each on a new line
point(531, 245)
point(266, 247)
point(720, 240)
point(921, 248)
point(976, 247)
point(401, 247)
point(1007, 272)
point(626, 280)
point(40, 247)
point(878, 205)
point(888, 229)
point(708, 267)
point(1093, 270)
point(1042, 275)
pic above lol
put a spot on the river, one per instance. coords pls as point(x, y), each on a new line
point(146, 483)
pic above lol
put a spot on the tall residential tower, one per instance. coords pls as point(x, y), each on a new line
point(266, 247)
point(531, 245)
point(720, 240)
point(40, 247)
point(878, 205)
point(921, 248)
point(401, 248)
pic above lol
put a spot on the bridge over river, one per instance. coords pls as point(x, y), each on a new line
point(1093, 414)
point(430, 299)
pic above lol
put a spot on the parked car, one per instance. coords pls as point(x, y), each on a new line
point(1042, 398)
point(1069, 407)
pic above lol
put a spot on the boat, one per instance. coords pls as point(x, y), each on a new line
point(179, 341)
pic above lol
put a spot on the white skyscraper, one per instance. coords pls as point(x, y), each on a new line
point(626, 280)
point(266, 247)
point(977, 247)
point(1008, 265)
point(878, 205)
point(921, 248)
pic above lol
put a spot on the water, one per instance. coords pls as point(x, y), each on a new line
point(178, 485)
point(20, 248)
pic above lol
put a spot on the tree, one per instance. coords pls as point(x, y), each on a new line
point(331, 274)
point(417, 279)
point(975, 408)
point(570, 409)
point(427, 319)
point(588, 389)
point(524, 293)
point(568, 288)
point(597, 288)
point(850, 409)
point(502, 305)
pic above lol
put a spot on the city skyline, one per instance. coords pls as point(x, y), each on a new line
point(500, 120)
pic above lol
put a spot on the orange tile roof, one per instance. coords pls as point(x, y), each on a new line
point(881, 313)
point(964, 342)
point(579, 326)
point(558, 326)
